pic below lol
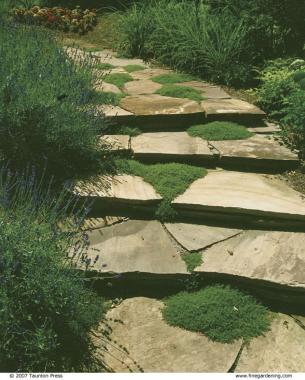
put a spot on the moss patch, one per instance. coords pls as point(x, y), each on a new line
point(180, 92)
point(192, 260)
point(172, 78)
point(221, 313)
point(118, 79)
point(169, 180)
point(220, 130)
point(104, 66)
point(133, 68)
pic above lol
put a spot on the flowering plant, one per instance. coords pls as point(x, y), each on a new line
point(73, 20)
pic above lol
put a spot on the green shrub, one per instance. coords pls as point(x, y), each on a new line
point(220, 130)
point(169, 180)
point(302, 84)
point(46, 312)
point(175, 91)
point(41, 97)
point(118, 79)
point(104, 66)
point(221, 313)
point(298, 76)
point(124, 130)
point(276, 86)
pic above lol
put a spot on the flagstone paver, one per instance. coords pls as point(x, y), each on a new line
point(155, 104)
point(107, 87)
point(139, 87)
point(235, 109)
point(116, 142)
point(275, 257)
point(208, 91)
point(134, 246)
point(227, 192)
point(259, 148)
point(165, 145)
point(195, 237)
point(281, 350)
point(123, 189)
point(157, 347)
point(149, 73)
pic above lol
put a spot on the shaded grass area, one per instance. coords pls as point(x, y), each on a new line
point(124, 130)
point(133, 68)
point(172, 78)
point(169, 180)
point(175, 91)
point(220, 130)
point(118, 79)
point(222, 313)
point(192, 260)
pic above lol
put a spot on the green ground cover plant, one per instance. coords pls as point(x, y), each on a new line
point(118, 79)
point(123, 130)
point(172, 78)
point(192, 260)
point(222, 313)
point(104, 66)
point(46, 311)
point(133, 68)
point(169, 180)
point(176, 91)
point(219, 130)
point(42, 94)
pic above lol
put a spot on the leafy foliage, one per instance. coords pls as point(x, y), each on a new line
point(220, 130)
point(42, 94)
point(169, 180)
point(221, 313)
point(46, 312)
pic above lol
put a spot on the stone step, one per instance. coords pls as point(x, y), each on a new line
point(232, 197)
point(257, 153)
point(267, 261)
point(270, 258)
point(154, 346)
point(227, 194)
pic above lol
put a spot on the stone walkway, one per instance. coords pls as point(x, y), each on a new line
point(244, 223)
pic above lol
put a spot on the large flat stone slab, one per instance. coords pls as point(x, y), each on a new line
point(275, 257)
point(233, 193)
point(115, 114)
point(118, 189)
point(139, 87)
point(155, 346)
point(231, 109)
point(168, 145)
point(116, 142)
point(134, 246)
point(281, 350)
point(149, 73)
point(194, 237)
point(208, 91)
point(109, 56)
point(107, 87)
point(159, 105)
point(258, 150)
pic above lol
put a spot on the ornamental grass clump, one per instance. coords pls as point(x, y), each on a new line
point(222, 313)
point(46, 311)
